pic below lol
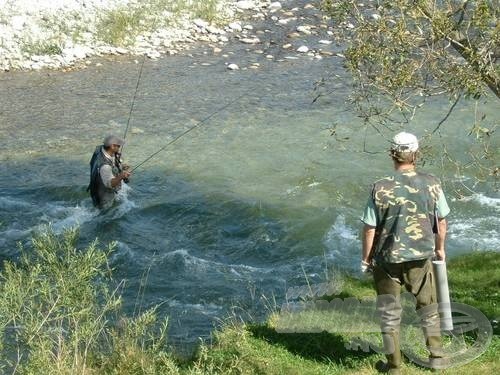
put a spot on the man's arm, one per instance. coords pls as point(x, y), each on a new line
point(368, 237)
point(111, 181)
point(440, 239)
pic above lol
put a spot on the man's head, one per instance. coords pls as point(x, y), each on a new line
point(113, 143)
point(404, 148)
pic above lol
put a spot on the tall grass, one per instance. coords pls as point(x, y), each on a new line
point(57, 312)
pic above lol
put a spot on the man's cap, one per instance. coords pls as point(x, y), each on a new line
point(404, 142)
point(113, 140)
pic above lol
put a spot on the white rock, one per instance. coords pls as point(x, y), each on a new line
point(304, 29)
point(303, 49)
point(18, 22)
point(215, 30)
point(325, 41)
point(275, 6)
point(233, 67)
point(248, 27)
point(235, 26)
point(200, 23)
point(223, 38)
point(286, 46)
point(250, 40)
point(376, 16)
point(245, 4)
point(152, 54)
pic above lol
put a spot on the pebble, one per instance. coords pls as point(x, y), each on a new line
point(201, 23)
point(250, 40)
point(304, 29)
point(235, 26)
point(303, 49)
point(245, 4)
point(233, 67)
point(286, 46)
point(325, 42)
point(274, 7)
point(153, 54)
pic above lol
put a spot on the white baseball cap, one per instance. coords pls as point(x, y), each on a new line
point(404, 142)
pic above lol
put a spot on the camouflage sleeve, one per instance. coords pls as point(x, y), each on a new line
point(442, 207)
point(369, 216)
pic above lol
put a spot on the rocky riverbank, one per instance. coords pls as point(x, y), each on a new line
point(55, 34)
point(61, 33)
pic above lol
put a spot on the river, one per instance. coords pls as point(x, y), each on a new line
point(257, 199)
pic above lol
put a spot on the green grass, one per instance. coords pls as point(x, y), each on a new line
point(38, 48)
point(60, 313)
point(121, 26)
point(260, 349)
point(474, 279)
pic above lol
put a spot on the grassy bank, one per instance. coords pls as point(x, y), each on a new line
point(60, 314)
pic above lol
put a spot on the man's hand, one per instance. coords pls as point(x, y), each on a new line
point(366, 267)
point(125, 175)
point(440, 254)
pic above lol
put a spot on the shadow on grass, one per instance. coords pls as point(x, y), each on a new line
point(321, 347)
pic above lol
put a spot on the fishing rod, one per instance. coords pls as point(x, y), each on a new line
point(133, 102)
point(199, 123)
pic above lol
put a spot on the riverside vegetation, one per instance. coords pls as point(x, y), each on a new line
point(60, 314)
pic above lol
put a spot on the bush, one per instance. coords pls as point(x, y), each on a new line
point(57, 313)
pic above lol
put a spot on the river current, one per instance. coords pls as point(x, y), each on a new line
point(257, 199)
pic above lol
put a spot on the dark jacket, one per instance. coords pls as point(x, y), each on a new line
point(102, 196)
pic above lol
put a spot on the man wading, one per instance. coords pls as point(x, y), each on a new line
point(107, 172)
point(405, 227)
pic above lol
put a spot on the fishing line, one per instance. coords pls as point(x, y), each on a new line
point(201, 122)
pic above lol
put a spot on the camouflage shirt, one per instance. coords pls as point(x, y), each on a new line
point(406, 209)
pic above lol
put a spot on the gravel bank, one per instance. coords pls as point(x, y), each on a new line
point(61, 33)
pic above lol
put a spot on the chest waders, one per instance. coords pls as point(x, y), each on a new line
point(101, 195)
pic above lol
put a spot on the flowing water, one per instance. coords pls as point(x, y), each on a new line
point(257, 199)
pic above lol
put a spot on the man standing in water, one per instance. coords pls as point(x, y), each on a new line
point(405, 227)
point(107, 172)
